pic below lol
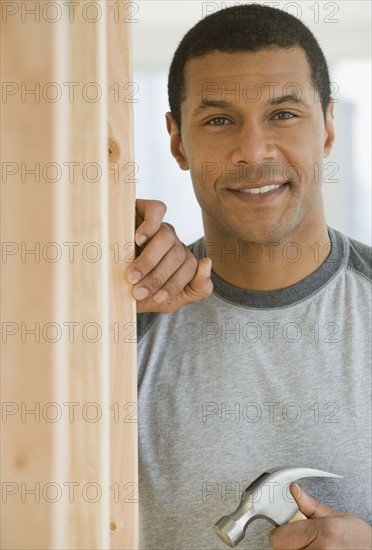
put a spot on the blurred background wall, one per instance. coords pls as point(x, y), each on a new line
point(342, 29)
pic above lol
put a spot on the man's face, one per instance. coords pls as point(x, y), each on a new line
point(249, 121)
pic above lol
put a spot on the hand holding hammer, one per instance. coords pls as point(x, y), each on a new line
point(269, 497)
point(258, 501)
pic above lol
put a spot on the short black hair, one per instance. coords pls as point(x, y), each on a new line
point(247, 27)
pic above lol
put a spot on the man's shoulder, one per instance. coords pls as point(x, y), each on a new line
point(360, 258)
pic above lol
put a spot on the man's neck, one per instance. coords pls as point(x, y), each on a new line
point(270, 266)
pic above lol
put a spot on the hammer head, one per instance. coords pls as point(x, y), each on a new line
point(267, 497)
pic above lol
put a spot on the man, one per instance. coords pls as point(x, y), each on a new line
point(272, 368)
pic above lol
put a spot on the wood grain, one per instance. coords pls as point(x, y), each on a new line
point(124, 453)
point(89, 374)
point(83, 375)
point(26, 283)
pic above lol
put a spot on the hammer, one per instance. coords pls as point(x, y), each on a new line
point(258, 501)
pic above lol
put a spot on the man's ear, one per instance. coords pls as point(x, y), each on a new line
point(329, 130)
point(176, 145)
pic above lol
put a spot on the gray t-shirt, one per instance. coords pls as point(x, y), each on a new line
point(245, 381)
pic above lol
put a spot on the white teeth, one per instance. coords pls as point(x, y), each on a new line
point(264, 189)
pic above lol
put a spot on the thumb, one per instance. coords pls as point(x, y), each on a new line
point(310, 506)
point(201, 285)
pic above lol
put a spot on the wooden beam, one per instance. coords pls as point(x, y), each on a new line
point(75, 369)
point(124, 419)
point(26, 280)
point(82, 293)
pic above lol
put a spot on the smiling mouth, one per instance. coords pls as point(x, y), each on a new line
point(261, 190)
point(264, 194)
point(264, 189)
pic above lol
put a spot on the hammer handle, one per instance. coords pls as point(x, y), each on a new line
point(297, 517)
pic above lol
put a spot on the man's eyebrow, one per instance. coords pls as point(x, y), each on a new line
point(216, 103)
point(288, 98)
point(220, 104)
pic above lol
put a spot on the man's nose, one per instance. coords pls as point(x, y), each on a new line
point(254, 145)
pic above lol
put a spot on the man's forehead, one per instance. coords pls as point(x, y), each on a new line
point(253, 76)
point(285, 80)
point(266, 65)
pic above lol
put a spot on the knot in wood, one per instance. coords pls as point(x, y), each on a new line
point(113, 151)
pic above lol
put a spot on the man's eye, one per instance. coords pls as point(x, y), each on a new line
point(284, 115)
point(218, 121)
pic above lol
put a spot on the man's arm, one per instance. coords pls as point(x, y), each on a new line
point(165, 275)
